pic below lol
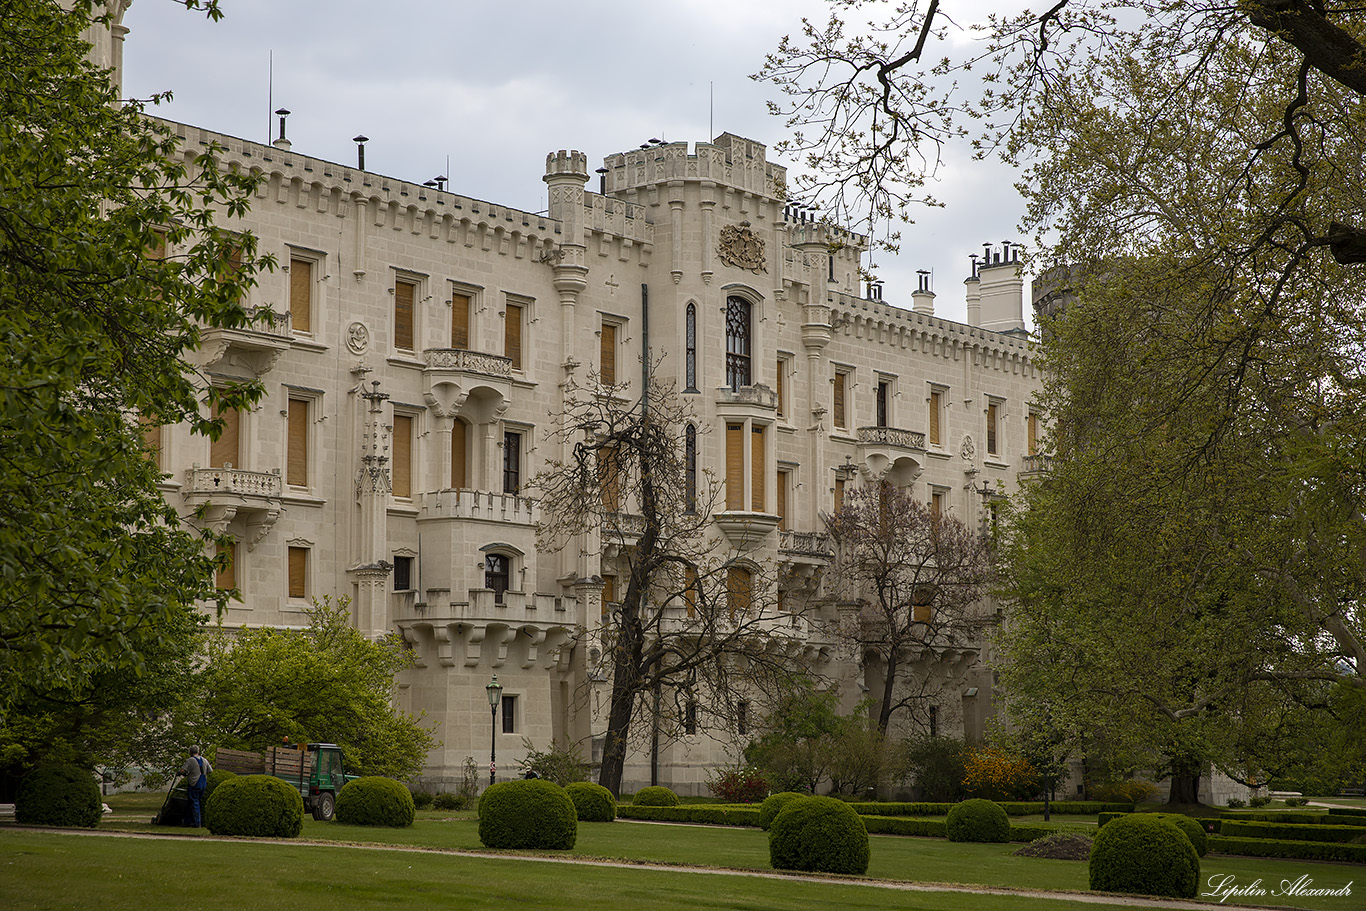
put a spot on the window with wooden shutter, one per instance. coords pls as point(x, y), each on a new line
point(301, 295)
point(780, 382)
point(735, 466)
point(756, 469)
point(1032, 428)
point(402, 461)
point(937, 503)
point(460, 320)
point(298, 572)
point(405, 294)
point(459, 465)
point(692, 586)
point(151, 440)
point(609, 477)
point(839, 493)
point(609, 595)
point(781, 506)
point(739, 591)
point(512, 335)
point(296, 473)
point(226, 577)
point(512, 462)
point(838, 415)
point(223, 452)
point(992, 412)
point(159, 247)
point(936, 404)
point(607, 373)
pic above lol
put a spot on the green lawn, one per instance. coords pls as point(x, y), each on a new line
point(924, 860)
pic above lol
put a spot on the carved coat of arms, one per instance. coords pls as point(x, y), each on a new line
point(740, 246)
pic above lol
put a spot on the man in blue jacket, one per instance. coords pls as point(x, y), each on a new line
point(196, 771)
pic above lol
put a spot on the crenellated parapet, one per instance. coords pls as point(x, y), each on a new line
point(728, 161)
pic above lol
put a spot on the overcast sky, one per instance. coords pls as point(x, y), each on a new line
point(494, 87)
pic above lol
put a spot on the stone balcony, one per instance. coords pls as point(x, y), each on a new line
point(805, 544)
point(485, 505)
point(221, 495)
point(462, 360)
point(746, 530)
point(891, 454)
point(1035, 465)
point(526, 629)
point(253, 348)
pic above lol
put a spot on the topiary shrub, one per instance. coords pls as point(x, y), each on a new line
point(820, 835)
point(58, 795)
point(375, 801)
point(978, 820)
point(1194, 831)
point(528, 813)
point(773, 805)
point(216, 777)
point(422, 800)
point(655, 797)
point(448, 801)
point(260, 806)
point(592, 802)
point(1145, 854)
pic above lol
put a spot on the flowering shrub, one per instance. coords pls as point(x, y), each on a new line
point(997, 775)
point(739, 786)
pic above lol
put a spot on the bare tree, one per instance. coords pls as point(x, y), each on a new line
point(916, 576)
point(691, 615)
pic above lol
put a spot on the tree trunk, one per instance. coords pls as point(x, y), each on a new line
point(884, 712)
point(618, 726)
point(1185, 781)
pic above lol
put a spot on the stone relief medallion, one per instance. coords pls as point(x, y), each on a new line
point(740, 246)
point(968, 450)
point(357, 338)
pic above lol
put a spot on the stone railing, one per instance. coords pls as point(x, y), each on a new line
point(623, 523)
point(808, 543)
point(1036, 464)
point(478, 504)
point(892, 436)
point(234, 481)
point(467, 361)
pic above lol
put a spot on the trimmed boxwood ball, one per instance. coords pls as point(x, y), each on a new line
point(819, 835)
point(978, 820)
point(1194, 831)
point(527, 813)
point(216, 777)
point(375, 801)
point(592, 802)
point(260, 806)
point(1144, 854)
point(773, 805)
point(58, 795)
point(655, 797)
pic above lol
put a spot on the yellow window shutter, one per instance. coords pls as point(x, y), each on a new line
point(298, 572)
point(151, 440)
point(735, 466)
point(404, 293)
point(610, 478)
point(991, 428)
point(934, 418)
point(756, 469)
point(512, 335)
point(297, 468)
point(226, 578)
point(460, 320)
point(690, 592)
point(458, 464)
point(739, 585)
point(402, 450)
point(779, 382)
point(223, 451)
point(1033, 430)
point(838, 416)
point(781, 505)
point(607, 375)
point(839, 493)
point(301, 295)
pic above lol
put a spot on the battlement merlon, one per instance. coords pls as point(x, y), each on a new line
point(729, 161)
point(565, 174)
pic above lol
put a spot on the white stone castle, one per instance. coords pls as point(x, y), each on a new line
point(427, 336)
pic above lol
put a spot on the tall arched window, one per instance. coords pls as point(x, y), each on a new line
point(690, 468)
point(690, 358)
point(737, 343)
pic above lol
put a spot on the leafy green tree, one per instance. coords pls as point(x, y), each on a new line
point(794, 749)
point(111, 267)
point(326, 683)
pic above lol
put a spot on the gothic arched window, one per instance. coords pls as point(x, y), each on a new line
point(737, 343)
point(690, 358)
point(690, 468)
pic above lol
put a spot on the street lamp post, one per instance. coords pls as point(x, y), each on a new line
point(494, 689)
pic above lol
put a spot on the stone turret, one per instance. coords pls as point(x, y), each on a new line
point(1001, 285)
point(565, 174)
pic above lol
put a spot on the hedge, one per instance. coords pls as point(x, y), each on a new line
point(1346, 811)
point(1298, 850)
point(527, 813)
point(1305, 819)
point(700, 813)
point(1280, 831)
point(1012, 808)
point(592, 802)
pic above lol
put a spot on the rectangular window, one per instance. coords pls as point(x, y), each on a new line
point(1032, 432)
point(405, 300)
point(936, 410)
point(609, 476)
point(301, 295)
point(609, 595)
point(223, 452)
point(993, 411)
point(839, 493)
point(607, 351)
point(296, 471)
point(298, 573)
point(459, 455)
point(690, 718)
point(735, 466)
point(756, 469)
point(839, 413)
point(883, 408)
point(934, 721)
point(512, 462)
point(780, 386)
point(151, 441)
point(692, 586)
point(937, 503)
point(497, 575)
point(460, 320)
point(158, 248)
point(742, 718)
point(512, 335)
point(509, 714)
point(739, 591)
point(784, 481)
point(403, 574)
point(226, 577)
point(402, 456)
